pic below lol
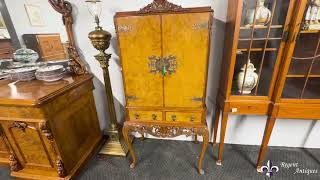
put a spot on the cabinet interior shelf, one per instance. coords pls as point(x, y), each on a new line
point(309, 31)
point(260, 39)
point(256, 49)
point(261, 27)
point(302, 76)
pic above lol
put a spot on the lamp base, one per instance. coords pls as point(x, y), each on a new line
point(115, 145)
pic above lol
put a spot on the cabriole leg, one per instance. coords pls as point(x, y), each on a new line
point(125, 132)
point(205, 136)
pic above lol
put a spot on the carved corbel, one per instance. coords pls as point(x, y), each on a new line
point(60, 168)
point(14, 163)
point(43, 126)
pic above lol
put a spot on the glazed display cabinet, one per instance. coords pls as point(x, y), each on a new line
point(297, 94)
point(256, 35)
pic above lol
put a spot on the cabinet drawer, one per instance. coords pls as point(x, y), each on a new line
point(145, 116)
point(249, 108)
point(193, 117)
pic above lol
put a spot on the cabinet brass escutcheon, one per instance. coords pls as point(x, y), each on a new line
point(163, 65)
point(173, 117)
point(192, 118)
point(136, 116)
point(154, 117)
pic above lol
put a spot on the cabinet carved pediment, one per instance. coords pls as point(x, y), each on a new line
point(160, 6)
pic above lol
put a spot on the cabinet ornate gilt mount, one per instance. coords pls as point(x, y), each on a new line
point(164, 52)
point(270, 64)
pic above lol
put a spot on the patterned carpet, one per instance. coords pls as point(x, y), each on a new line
point(166, 160)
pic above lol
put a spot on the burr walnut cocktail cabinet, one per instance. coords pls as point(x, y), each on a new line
point(164, 52)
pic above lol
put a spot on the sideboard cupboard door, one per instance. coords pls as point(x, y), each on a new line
point(30, 146)
point(186, 37)
point(140, 38)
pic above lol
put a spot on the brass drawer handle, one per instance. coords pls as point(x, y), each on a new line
point(132, 98)
point(192, 118)
point(154, 117)
point(173, 117)
point(136, 116)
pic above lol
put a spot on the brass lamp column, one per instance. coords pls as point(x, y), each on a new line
point(100, 39)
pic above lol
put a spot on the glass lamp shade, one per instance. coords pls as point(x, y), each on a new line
point(94, 7)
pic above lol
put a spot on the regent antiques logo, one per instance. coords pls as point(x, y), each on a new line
point(269, 169)
point(298, 170)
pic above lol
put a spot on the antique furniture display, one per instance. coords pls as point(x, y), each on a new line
point(48, 46)
point(101, 41)
point(297, 94)
point(256, 34)
point(48, 128)
point(164, 52)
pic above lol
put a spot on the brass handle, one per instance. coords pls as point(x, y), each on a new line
point(173, 117)
point(132, 98)
point(136, 116)
point(192, 118)
point(154, 117)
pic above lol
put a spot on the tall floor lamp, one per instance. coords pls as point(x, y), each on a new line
point(100, 39)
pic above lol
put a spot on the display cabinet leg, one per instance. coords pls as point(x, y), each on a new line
point(222, 135)
point(125, 132)
point(196, 139)
point(266, 137)
point(216, 125)
point(205, 136)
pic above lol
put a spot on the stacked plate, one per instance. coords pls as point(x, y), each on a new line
point(50, 73)
point(23, 74)
point(63, 62)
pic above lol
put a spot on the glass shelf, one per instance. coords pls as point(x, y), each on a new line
point(261, 27)
point(309, 31)
point(257, 49)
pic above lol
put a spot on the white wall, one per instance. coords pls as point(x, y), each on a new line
point(240, 129)
point(52, 19)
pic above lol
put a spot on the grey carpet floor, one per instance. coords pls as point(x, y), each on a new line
point(175, 160)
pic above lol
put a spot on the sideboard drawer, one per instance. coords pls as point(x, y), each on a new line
point(145, 116)
point(192, 117)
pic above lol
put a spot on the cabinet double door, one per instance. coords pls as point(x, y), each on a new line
point(164, 59)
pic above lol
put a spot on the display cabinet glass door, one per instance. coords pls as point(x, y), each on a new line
point(303, 78)
point(262, 35)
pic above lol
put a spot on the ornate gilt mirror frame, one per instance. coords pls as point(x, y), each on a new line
point(65, 8)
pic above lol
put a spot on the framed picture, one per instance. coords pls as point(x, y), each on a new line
point(34, 14)
point(2, 24)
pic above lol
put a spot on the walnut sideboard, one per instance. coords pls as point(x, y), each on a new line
point(48, 130)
